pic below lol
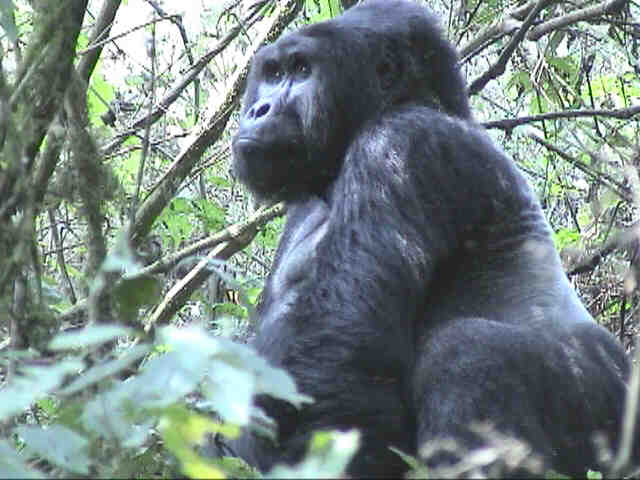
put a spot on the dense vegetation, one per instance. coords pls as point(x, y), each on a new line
point(131, 258)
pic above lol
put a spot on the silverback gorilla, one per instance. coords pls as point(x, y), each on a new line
point(416, 288)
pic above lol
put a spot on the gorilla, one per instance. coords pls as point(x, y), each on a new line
point(416, 288)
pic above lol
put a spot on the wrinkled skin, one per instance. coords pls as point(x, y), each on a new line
point(416, 287)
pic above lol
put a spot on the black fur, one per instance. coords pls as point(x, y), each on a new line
point(416, 287)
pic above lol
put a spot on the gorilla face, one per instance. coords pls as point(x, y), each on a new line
point(283, 146)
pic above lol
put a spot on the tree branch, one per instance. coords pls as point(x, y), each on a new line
point(56, 135)
point(574, 17)
point(498, 68)
point(619, 240)
point(224, 243)
point(509, 124)
point(605, 179)
point(191, 75)
point(240, 234)
point(212, 128)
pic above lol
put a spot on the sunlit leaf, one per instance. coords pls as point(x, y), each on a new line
point(102, 371)
point(32, 383)
point(12, 464)
point(7, 20)
point(88, 336)
point(57, 444)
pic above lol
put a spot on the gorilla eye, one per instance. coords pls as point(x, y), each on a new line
point(300, 67)
point(272, 71)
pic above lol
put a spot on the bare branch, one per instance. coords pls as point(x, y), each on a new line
point(211, 128)
point(48, 158)
point(225, 243)
point(100, 30)
point(240, 236)
point(502, 27)
point(257, 220)
point(521, 12)
point(575, 16)
point(605, 179)
point(509, 124)
point(176, 91)
point(499, 66)
point(620, 240)
point(102, 43)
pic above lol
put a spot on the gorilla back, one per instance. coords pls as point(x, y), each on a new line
point(416, 288)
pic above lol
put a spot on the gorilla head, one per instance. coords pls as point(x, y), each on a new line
point(310, 92)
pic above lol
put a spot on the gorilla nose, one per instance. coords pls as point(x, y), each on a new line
point(258, 111)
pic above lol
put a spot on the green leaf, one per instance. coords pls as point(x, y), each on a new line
point(236, 467)
point(133, 293)
point(57, 444)
point(230, 391)
point(231, 309)
point(100, 93)
point(181, 429)
point(565, 237)
point(88, 336)
point(410, 460)
point(220, 181)
point(100, 372)
point(566, 65)
point(168, 378)
point(321, 10)
point(177, 220)
point(270, 235)
point(119, 414)
point(12, 464)
point(210, 213)
point(552, 475)
point(33, 383)
point(253, 294)
point(233, 373)
point(7, 20)
point(49, 405)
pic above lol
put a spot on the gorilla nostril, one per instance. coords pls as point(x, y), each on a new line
point(262, 110)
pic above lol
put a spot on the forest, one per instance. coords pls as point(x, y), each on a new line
point(135, 259)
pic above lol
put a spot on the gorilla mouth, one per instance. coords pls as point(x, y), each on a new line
point(250, 148)
point(247, 142)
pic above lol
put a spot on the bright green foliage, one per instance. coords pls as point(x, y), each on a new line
point(321, 10)
point(99, 95)
point(565, 237)
point(228, 375)
point(179, 221)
